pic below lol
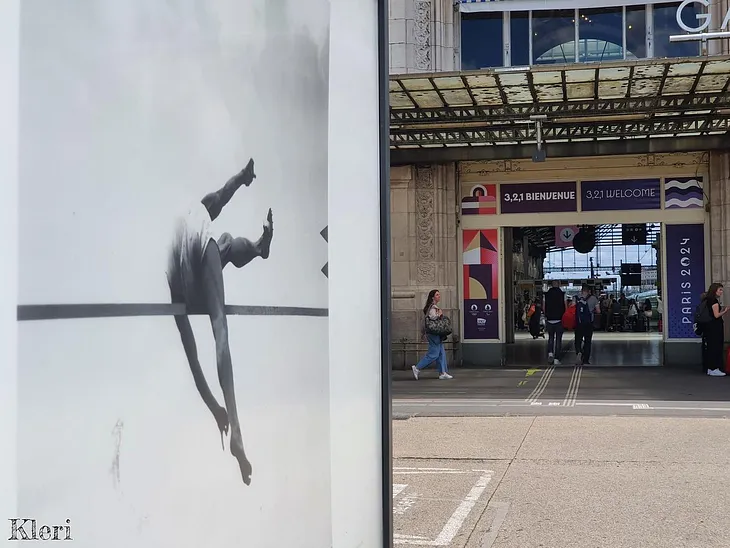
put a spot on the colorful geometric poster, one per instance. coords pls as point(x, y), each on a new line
point(481, 284)
point(685, 266)
point(683, 193)
point(482, 200)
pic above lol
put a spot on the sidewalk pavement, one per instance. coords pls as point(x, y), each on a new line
point(561, 482)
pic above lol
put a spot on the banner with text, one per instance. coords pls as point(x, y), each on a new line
point(685, 266)
point(481, 284)
point(620, 195)
point(538, 198)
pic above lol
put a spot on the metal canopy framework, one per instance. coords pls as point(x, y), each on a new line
point(543, 237)
point(625, 100)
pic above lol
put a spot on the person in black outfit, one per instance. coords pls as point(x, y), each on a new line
point(713, 333)
point(554, 310)
point(588, 307)
point(534, 323)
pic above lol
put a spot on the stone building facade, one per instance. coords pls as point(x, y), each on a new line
point(424, 38)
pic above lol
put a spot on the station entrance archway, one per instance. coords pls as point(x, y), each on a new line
point(574, 193)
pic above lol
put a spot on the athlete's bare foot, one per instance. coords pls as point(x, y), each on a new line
point(238, 452)
point(248, 173)
point(267, 236)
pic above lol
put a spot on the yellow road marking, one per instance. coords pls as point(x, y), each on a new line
point(530, 373)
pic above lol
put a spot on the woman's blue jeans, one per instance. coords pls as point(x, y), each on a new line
point(436, 353)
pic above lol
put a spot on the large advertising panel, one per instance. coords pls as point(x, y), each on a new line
point(180, 255)
point(685, 267)
point(481, 284)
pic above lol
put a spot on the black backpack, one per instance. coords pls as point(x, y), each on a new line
point(703, 316)
point(583, 314)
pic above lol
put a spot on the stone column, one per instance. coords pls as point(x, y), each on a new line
point(422, 37)
point(720, 180)
point(720, 222)
point(718, 10)
point(424, 244)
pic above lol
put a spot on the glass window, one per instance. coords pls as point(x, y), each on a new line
point(600, 35)
point(665, 25)
point(520, 38)
point(635, 32)
point(553, 36)
point(481, 40)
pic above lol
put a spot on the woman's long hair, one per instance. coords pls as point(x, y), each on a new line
point(712, 292)
point(429, 301)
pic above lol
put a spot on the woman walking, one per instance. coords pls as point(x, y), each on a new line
point(436, 352)
point(713, 332)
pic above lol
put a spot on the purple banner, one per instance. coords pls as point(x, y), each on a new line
point(538, 197)
point(481, 319)
point(685, 266)
point(620, 195)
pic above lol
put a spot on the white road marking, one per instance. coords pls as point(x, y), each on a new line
point(405, 503)
point(641, 406)
point(398, 488)
point(540, 388)
point(405, 469)
point(500, 515)
point(470, 401)
point(572, 393)
point(457, 519)
point(476, 404)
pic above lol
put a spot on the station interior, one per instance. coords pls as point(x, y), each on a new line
point(622, 265)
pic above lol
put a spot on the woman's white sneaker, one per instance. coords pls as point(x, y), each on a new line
point(715, 373)
point(415, 372)
point(445, 376)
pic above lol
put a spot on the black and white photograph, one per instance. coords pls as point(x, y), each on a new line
point(173, 381)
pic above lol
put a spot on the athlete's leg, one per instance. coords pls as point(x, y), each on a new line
point(191, 351)
point(241, 251)
point(216, 201)
point(214, 294)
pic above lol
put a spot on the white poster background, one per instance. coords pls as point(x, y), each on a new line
point(129, 112)
point(9, 44)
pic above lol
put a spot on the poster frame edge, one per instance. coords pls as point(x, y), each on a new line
point(385, 282)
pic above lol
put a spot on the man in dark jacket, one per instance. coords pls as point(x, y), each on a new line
point(554, 310)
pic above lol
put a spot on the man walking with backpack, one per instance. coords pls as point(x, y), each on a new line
point(554, 310)
point(587, 308)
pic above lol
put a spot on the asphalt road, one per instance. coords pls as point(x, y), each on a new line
point(573, 391)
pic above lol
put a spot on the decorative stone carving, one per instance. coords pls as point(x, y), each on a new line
point(422, 34)
point(651, 160)
point(424, 177)
point(485, 168)
point(426, 273)
point(424, 225)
